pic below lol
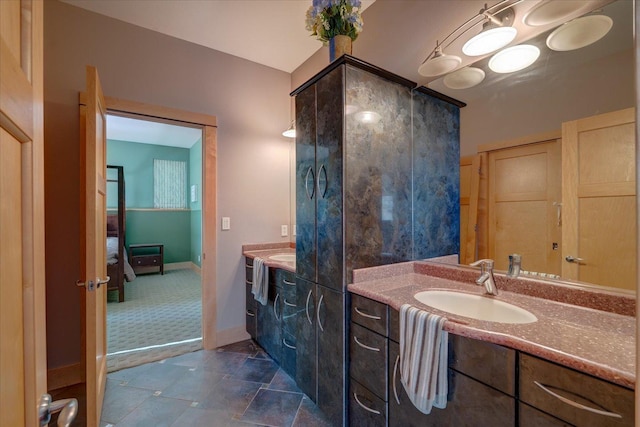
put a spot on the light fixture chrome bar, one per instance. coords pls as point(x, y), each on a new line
point(483, 14)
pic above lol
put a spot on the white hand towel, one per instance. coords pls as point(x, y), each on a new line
point(423, 358)
point(260, 285)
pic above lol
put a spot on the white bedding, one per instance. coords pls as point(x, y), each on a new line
point(112, 258)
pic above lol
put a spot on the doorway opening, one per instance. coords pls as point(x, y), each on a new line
point(154, 228)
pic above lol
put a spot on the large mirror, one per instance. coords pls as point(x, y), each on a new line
point(561, 87)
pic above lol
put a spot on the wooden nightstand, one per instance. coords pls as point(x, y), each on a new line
point(146, 259)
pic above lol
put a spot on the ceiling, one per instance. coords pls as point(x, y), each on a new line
point(398, 34)
point(269, 32)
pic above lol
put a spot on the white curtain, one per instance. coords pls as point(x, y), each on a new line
point(169, 184)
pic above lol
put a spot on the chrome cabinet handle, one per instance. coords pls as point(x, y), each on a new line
point(306, 183)
point(249, 266)
point(68, 409)
point(355, 338)
point(574, 260)
point(307, 307)
point(275, 303)
point(326, 183)
point(286, 344)
point(250, 314)
point(576, 404)
point(286, 282)
point(318, 312)
point(288, 303)
point(368, 316)
point(395, 373)
point(249, 282)
point(366, 408)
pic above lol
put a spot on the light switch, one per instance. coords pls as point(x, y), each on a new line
point(284, 230)
point(295, 229)
point(226, 223)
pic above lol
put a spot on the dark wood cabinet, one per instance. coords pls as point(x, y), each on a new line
point(572, 396)
point(147, 255)
point(306, 347)
point(269, 325)
point(365, 408)
point(250, 301)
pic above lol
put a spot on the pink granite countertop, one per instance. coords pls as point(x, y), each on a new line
point(265, 250)
point(594, 341)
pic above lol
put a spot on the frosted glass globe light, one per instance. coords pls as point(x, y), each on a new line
point(514, 58)
point(489, 41)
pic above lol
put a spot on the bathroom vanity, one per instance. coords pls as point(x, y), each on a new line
point(574, 366)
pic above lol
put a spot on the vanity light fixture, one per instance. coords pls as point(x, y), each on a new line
point(579, 33)
point(464, 78)
point(497, 32)
point(291, 132)
point(514, 58)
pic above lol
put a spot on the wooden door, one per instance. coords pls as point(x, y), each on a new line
point(22, 277)
point(599, 195)
point(93, 242)
point(524, 197)
point(470, 221)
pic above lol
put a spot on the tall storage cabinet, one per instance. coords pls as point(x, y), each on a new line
point(362, 136)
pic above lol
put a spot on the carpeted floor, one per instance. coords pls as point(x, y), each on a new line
point(160, 317)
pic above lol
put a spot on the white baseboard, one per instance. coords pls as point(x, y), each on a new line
point(230, 336)
point(65, 376)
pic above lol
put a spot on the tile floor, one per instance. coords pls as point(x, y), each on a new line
point(236, 385)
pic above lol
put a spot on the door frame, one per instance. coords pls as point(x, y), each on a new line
point(208, 124)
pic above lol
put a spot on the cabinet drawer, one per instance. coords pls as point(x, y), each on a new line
point(576, 387)
point(368, 359)
point(365, 409)
point(250, 321)
point(531, 417)
point(249, 298)
point(248, 269)
point(394, 325)
point(147, 261)
point(369, 313)
point(488, 363)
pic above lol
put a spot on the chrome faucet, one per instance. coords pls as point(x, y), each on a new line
point(515, 265)
point(486, 275)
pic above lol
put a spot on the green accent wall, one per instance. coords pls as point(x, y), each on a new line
point(195, 178)
point(178, 230)
point(171, 228)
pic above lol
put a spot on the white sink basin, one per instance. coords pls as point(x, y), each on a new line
point(475, 306)
point(284, 257)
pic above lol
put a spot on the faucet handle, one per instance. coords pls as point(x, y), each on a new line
point(483, 263)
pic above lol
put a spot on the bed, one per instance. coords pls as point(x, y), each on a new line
point(118, 267)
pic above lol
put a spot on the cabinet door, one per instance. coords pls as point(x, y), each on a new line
point(306, 374)
point(469, 402)
point(269, 331)
point(331, 354)
point(365, 408)
point(329, 169)
point(306, 194)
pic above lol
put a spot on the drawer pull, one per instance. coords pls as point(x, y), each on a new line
point(249, 282)
point(576, 404)
point(368, 316)
point(288, 303)
point(250, 314)
point(318, 313)
point(275, 310)
point(355, 338)
point(366, 408)
point(249, 266)
point(286, 344)
point(307, 307)
point(286, 282)
point(395, 373)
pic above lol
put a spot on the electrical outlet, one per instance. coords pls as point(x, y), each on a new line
point(295, 229)
point(226, 223)
point(198, 258)
point(284, 230)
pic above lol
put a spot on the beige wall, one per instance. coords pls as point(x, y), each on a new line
point(250, 101)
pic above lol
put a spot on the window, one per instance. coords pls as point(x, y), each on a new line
point(169, 184)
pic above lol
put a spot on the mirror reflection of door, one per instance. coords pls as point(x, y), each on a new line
point(524, 192)
point(599, 194)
